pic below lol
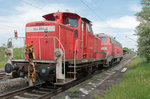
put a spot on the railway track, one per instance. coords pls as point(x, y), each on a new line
point(35, 92)
point(4, 76)
point(45, 90)
point(42, 91)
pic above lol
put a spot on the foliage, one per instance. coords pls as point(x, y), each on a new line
point(136, 83)
point(143, 30)
point(128, 51)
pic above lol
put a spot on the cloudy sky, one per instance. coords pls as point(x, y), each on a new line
point(113, 17)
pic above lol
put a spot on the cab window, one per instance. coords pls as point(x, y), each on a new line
point(72, 21)
point(103, 39)
point(89, 26)
point(82, 26)
point(52, 19)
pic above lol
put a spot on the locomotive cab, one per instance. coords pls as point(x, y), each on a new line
point(65, 18)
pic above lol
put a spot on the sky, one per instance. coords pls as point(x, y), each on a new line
point(113, 17)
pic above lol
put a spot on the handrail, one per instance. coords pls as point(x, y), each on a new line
point(75, 51)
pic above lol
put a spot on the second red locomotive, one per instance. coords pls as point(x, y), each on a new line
point(62, 48)
point(112, 48)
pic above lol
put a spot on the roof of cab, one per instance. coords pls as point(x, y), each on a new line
point(85, 19)
point(47, 16)
point(51, 15)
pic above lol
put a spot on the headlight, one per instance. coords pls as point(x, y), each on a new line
point(103, 48)
point(44, 71)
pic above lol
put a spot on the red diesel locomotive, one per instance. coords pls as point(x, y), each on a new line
point(112, 47)
point(62, 48)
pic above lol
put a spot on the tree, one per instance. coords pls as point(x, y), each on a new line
point(143, 30)
point(128, 51)
point(4, 45)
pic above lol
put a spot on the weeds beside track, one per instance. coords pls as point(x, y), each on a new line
point(136, 83)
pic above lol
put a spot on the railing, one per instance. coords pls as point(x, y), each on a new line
point(76, 52)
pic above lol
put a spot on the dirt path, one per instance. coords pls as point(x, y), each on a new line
point(97, 85)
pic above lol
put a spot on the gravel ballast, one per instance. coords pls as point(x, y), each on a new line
point(12, 84)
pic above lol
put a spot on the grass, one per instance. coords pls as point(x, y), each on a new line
point(72, 91)
point(136, 83)
point(97, 77)
point(2, 57)
point(18, 53)
point(63, 97)
point(2, 54)
point(96, 96)
point(135, 62)
point(2, 64)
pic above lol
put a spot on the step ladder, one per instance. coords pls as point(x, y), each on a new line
point(72, 72)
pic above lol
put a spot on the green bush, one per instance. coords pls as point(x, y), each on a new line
point(143, 30)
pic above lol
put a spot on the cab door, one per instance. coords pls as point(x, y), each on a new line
point(84, 38)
